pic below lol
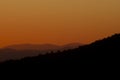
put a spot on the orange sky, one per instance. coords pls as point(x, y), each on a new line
point(57, 21)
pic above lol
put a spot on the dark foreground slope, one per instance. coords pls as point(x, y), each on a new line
point(101, 51)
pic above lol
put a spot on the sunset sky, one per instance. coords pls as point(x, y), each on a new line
point(57, 21)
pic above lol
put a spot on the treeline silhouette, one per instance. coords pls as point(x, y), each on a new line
point(105, 51)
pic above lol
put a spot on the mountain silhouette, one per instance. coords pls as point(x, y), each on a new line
point(33, 47)
point(19, 51)
point(105, 51)
point(43, 47)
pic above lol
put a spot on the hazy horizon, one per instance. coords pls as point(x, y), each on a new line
point(57, 21)
point(42, 44)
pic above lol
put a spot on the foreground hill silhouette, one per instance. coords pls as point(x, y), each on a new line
point(105, 51)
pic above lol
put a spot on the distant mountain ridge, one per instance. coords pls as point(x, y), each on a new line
point(19, 51)
point(33, 46)
point(43, 47)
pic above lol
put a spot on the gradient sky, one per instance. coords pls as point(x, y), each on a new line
point(57, 21)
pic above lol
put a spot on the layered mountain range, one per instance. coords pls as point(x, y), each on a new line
point(19, 51)
point(105, 51)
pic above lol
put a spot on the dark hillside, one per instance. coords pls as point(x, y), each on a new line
point(105, 51)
